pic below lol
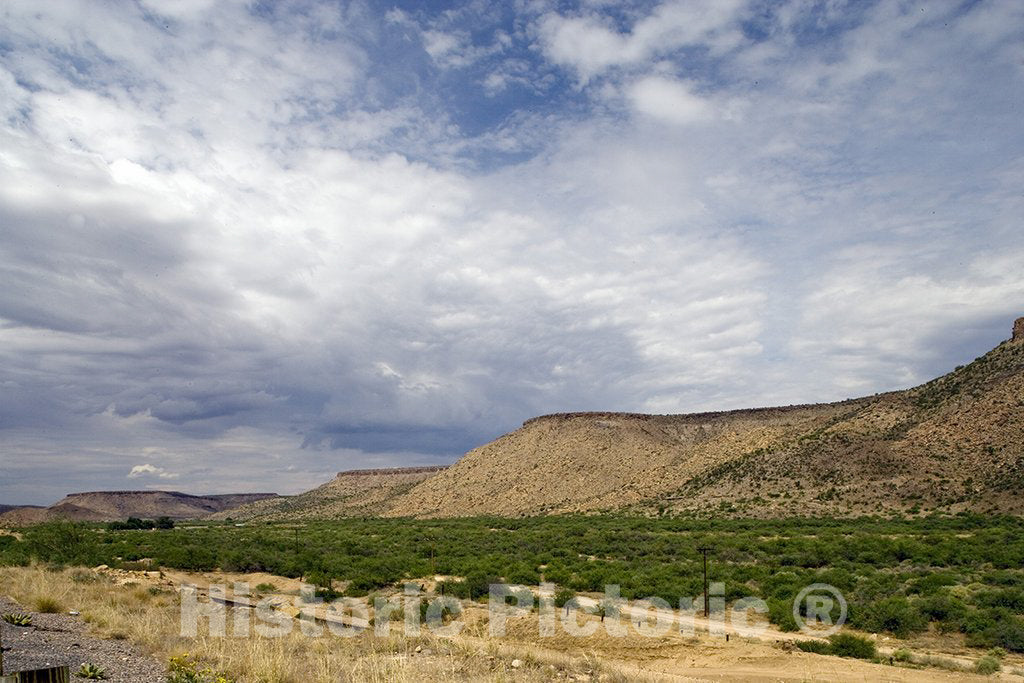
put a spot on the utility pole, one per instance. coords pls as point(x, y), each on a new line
point(705, 550)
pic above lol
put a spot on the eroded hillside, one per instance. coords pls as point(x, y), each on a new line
point(351, 493)
point(954, 443)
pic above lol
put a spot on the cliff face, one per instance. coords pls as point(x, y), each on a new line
point(955, 443)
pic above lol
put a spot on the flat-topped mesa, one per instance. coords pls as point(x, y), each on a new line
point(426, 469)
point(686, 417)
point(1018, 330)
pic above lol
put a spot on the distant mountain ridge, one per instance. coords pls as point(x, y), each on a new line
point(365, 492)
point(105, 506)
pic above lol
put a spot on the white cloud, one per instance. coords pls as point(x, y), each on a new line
point(669, 100)
point(590, 45)
point(149, 470)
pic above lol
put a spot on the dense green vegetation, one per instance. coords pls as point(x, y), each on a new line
point(841, 645)
point(135, 524)
point(957, 574)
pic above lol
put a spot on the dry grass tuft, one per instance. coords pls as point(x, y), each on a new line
point(46, 605)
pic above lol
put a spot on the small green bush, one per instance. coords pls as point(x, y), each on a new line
point(563, 595)
point(780, 613)
point(849, 645)
point(818, 647)
point(903, 655)
point(987, 665)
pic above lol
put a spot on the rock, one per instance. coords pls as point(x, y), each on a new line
point(419, 648)
point(516, 663)
point(1018, 330)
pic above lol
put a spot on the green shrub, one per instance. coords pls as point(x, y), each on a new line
point(132, 524)
point(1009, 598)
point(818, 647)
point(563, 595)
point(61, 542)
point(265, 588)
point(987, 665)
point(932, 583)
point(1007, 633)
point(895, 615)
point(942, 608)
point(903, 655)
point(780, 613)
point(849, 645)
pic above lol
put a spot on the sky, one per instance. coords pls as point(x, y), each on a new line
point(245, 245)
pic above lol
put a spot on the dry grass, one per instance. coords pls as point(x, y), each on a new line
point(150, 618)
point(46, 605)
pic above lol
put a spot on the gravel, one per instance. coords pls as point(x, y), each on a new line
point(60, 639)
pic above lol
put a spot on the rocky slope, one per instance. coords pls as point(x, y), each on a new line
point(955, 443)
point(350, 494)
point(102, 506)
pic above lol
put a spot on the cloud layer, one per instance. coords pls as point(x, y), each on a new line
point(249, 245)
